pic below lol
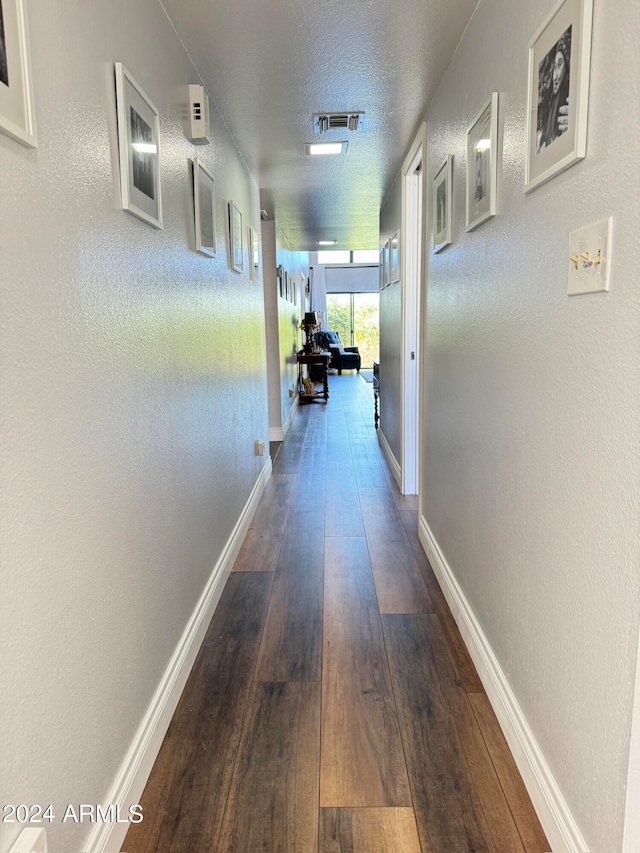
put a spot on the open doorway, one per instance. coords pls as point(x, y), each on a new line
point(413, 227)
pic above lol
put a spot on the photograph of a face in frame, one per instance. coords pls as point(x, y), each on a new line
point(558, 92)
point(553, 92)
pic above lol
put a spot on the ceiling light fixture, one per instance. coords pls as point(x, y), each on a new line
point(327, 242)
point(326, 147)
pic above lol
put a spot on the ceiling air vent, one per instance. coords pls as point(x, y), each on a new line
point(322, 122)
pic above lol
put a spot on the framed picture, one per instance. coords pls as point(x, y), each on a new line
point(482, 165)
point(280, 281)
point(387, 262)
point(393, 259)
point(17, 105)
point(236, 249)
point(254, 251)
point(204, 204)
point(442, 184)
point(139, 150)
point(558, 98)
point(382, 273)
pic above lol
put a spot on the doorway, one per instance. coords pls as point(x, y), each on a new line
point(412, 260)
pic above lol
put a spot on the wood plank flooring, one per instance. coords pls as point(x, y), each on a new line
point(333, 707)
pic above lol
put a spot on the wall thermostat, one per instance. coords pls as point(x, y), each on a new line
point(199, 120)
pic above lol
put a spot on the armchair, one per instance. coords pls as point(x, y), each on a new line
point(347, 358)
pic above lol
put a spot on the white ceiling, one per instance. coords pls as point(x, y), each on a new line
point(269, 65)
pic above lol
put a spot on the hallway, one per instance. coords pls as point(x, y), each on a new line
point(333, 705)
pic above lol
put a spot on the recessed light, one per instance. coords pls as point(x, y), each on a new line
point(326, 147)
point(327, 242)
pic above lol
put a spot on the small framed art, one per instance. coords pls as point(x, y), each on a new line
point(393, 258)
point(387, 262)
point(204, 205)
point(254, 251)
point(17, 105)
point(139, 150)
point(442, 184)
point(482, 165)
point(236, 249)
point(382, 273)
point(558, 97)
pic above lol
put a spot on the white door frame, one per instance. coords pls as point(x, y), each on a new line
point(412, 265)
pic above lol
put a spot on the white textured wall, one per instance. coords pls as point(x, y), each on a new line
point(391, 332)
point(132, 387)
point(272, 334)
point(531, 467)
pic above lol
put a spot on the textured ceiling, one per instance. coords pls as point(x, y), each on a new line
point(269, 65)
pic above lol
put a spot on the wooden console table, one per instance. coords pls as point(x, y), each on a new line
point(322, 359)
point(376, 392)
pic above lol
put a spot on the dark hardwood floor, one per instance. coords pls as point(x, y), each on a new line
point(333, 707)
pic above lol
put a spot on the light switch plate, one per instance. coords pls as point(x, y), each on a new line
point(590, 258)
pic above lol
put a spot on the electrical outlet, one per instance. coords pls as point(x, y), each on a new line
point(31, 840)
point(259, 447)
point(291, 392)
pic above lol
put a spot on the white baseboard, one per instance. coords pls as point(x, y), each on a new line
point(393, 463)
point(129, 783)
point(557, 821)
point(276, 434)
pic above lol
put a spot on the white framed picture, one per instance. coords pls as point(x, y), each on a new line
point(17, 105)
point(254, 251)
point(394, 244)
point(558, 97)
point(236, 249)
point(139, 150)
point(387, 262)
point(482, 165)
point(382, 273)
point(442, 183)
point(204, 206)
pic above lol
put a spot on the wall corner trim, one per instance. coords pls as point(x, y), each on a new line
point(138, 762)
point(289, 419)
point(557, 821)
point(393, 463)
point(276, 434)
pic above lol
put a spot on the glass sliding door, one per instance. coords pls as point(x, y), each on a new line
point(366, 326)
point(355, 317)
point(339, 315)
